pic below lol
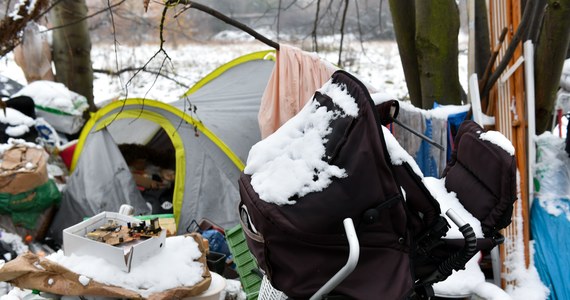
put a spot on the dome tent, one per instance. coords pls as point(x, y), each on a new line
point(211, 145)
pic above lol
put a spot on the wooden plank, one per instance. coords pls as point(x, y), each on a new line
point(511, 121)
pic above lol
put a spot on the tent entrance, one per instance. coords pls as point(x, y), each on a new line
point(156, 136)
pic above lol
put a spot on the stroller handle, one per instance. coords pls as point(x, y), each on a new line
point(353, 255)
point(456, 261)
point(455, 218)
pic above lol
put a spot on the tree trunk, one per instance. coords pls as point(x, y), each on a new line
point(72, 48)
point(550, 54)
point(482, 43)
point(403, 16)
point(437, 28)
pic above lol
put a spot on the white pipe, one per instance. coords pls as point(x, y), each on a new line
point(530, 106)
point(475, 99)
point(353, 255)
point(509, 72)
point(455, 218)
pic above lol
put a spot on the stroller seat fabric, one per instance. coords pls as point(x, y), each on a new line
point(482, 171)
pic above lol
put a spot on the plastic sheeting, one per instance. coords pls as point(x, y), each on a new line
point(550, 215)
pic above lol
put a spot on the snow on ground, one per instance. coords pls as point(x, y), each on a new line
point(379, 65)
point(154, 275)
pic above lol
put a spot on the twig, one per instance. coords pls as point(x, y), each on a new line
point(226, 19)
point(89, 16)
point(160, 50)
point(10, 27)
point(315, 26)
point(342, 32)
point(131, 69)
point(278, 18)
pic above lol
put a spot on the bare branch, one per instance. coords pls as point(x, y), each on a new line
point(109, 7)
point(342, 32)
point(278, 18)
point(226, 19)
point(293, 3)
point(134, 69)
point(360, 27)
point(380, 16)
point(315, 26)
point(10, 27)
point(115, 42)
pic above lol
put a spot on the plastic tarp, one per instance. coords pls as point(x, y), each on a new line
point(25, 208)
point(59, 106)
point(550, 215)
point(101, 182)
point(8, 86)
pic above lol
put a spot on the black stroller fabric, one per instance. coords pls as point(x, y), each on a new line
point(402, 252)
point(301, 246)
point(483, 175)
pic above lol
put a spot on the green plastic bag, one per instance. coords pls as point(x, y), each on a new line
point(25, 208)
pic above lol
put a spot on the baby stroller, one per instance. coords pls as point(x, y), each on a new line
point(399, 225)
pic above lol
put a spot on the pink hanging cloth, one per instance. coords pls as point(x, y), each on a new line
point(294, 80)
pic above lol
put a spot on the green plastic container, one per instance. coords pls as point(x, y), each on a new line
point(246, 265)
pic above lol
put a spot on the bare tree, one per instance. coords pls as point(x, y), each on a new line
point(404, 18)
point(427, 32)
point(550, 54)
point(72, 48)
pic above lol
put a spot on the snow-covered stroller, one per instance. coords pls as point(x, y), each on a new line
point(298, 239)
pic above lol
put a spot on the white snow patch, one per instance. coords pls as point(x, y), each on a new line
point(399, 155)
point(173, 267)
point(289, 161)
point(498, 139)
point(17, 131)
point(84, 280)
point(448, 200)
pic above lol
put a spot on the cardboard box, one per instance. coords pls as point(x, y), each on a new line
point(127, 257)
point(23, 168)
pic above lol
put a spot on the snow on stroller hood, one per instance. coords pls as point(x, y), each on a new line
point(290, 161)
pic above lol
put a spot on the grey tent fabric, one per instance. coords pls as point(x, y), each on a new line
point(211, 142)
point(226, 104)
point(101, 182)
